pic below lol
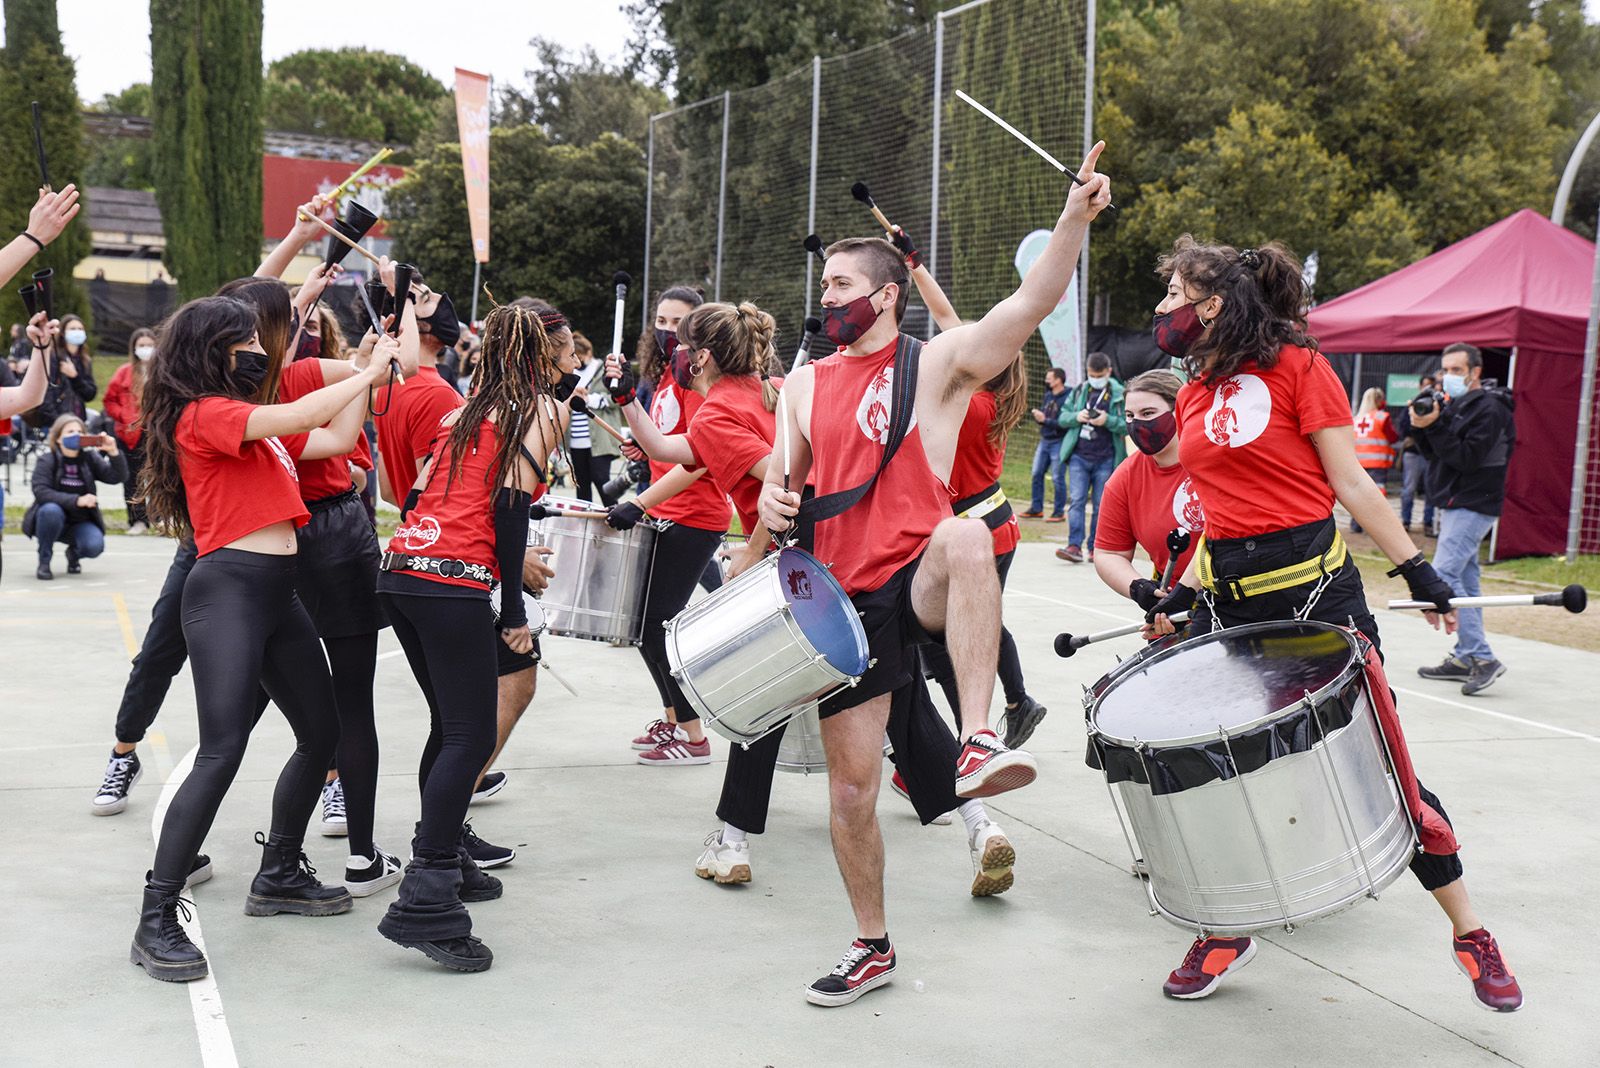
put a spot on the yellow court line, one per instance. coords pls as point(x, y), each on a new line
point(126, 622)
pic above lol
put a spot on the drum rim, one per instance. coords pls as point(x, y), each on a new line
point(1353, 668)
point(863, 647)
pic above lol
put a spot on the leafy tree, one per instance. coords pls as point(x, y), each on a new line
point(122, 162)
point(206, 103)
point(565, 218)
point(35, 68)
point(351, 92)
point(577, 100)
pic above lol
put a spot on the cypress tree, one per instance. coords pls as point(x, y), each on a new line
point(206, 103)
point(35, 68)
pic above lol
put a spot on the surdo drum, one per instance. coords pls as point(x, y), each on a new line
point(800, 751)
point(601, 574)
point(1254, 775)
point(780, 637)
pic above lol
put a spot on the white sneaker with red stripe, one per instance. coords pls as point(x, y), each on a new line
point(656, 733)
point(862, 969)
point(898, 785)
point(986, 767)
point(677, 751)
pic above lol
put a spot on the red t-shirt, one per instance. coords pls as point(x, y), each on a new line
point(454, 518)
point(411, 414)
point(234, 486)
point(1245, 444)
point(891, 525)
point(1142, 504)
point(702, 506)
point(121, 405)
point(729, 434)
point(331, 476)
point(977, 465)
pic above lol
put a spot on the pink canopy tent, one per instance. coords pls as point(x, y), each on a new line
point(1521, 284)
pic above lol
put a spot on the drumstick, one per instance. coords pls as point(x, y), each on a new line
point(578, 404)
point(1574, 599)
point(1025, 139)
point(1067, 644)
point(783, 417)
point(340, 236)
point(861, 193)
point(539, 511)
point(383, 154)
point(1177, 545)
point(621, 280)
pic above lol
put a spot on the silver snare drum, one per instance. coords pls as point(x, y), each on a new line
point(601, 574)
point(781, 636)
point(1254, 775)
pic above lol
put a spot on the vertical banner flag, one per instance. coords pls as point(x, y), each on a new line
point(1060, 328)
point(472, 116)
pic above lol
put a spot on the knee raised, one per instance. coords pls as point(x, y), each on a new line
point(969, 543)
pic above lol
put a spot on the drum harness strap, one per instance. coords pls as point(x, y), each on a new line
point(988, 504)
point(1322, 568)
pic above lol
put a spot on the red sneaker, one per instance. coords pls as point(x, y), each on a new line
point(658, 732)
point(898, 785)
point(986, 767)
point(862, 969)
point(1203, 967)
point(677, 751)
point(1493, 985)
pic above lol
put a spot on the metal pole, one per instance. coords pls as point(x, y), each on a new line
point(722, 194)
point(938, 137)
point(1088, 143)
point(1580, 466)
point(477, 276)
point(1494, 529)
point(1355, 385)
point(811, 195)
point(1558, 213)
point(649, 207)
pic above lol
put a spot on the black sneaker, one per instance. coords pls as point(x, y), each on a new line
point(1021, 721)
point(492, 784)
point(122, 772)
point(73, 566)
point(485, 854)
point(1451, 670)
point(1483, 674)
point(199, 872)
point(862, 969)
point(364, 877)
point(467, 954)
point(44, 574)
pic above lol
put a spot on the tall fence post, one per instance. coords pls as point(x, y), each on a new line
point(722, 194)
point(811, 182)
point(649, 205)
point(1088, 143)
point(938, 135)
point(1580, 458)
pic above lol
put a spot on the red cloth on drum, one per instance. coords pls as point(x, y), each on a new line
point(1142, 503)
point(702, 506)
point(1433, 830)
point(730, 433)
point(977, 465)
point(329, 477)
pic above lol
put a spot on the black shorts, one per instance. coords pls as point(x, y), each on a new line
point(337, 570)
point(893, 635)
point(508, 662)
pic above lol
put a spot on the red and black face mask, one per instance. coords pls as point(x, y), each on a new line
point(681, 362)
point(1176, 330)
point(309, 346)
point(1150, 436)
point(844, 324)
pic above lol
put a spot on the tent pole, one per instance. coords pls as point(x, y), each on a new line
point(1511, 386)
point(1580, 466)
point(1355, 385)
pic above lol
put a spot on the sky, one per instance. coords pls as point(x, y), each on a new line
point(110, 39)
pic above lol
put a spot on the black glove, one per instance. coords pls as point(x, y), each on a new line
point(624, 515)
point(908, 248)
point(623, 391)
point(1179, 599)
point(1424, 582)
point(1143, 592)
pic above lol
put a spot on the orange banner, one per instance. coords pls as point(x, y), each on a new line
point(472, 116)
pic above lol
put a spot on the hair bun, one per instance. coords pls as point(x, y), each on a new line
point(1251, 259)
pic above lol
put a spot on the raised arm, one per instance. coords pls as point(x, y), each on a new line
point(318, 408)
point(21, 398)
point(662, 448)
point(299, 234)
point(790, 447)
point(49, 216)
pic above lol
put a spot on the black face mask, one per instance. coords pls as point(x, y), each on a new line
point(1153, 435)
point(565, 386)
point(249, 371)
point(309, 345)
point(666, 343)
point(443, 323)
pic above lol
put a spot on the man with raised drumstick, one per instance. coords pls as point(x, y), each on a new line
point(913, 571)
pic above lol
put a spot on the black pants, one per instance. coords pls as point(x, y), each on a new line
point(448, 642)
point(1343, 602)
point(681, 556)
point(590, 470)
point(243, 622)
point(943, 669)
point(130, 488)
point(161, 656)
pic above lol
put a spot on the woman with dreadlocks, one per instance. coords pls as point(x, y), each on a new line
point(464, 525)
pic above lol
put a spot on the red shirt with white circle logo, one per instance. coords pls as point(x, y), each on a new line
point(234, 487)
point(978, 462)
point(329, 477)
point(1246, 444)
point(1142, 504)
point(729, 434)
point(703, 505)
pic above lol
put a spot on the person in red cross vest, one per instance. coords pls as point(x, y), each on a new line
point(1375, 441)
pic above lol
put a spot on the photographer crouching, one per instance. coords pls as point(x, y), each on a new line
point(1467, 433)
point(64, 506)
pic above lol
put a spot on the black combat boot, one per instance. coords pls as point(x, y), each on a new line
point(287, 883)
point(427, 915)
point(160, 945)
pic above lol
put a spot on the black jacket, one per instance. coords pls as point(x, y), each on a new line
point(66, 394)
point(1468, 450)
point(47, 486)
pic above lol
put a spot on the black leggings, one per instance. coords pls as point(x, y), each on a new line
point(130, 488)
point(943, 670)
point(354, 661)
point(681, 556)
point(449, 644)
point(243, 622)
point(590, 470)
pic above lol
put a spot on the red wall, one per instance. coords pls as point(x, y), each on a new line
point(288, 182)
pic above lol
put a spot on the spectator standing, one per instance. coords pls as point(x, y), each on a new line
point(1047, 457)
point(64, 506)
point(1413, 465)
point(121, 405)
point(1092, 447)
point(1375, 441)
point(74, 386)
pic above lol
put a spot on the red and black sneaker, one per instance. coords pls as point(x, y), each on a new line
point(1203, 967)
point(986, 767)
point(1493, 985)
point(862, 969)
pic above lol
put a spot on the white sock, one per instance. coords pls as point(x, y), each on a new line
point(731, 835)
point(974, 815)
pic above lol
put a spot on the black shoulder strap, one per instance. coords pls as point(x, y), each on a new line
point(903, 408)
point(528, 456)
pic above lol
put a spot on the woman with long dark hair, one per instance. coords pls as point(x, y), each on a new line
point(121, 403)
point(220, 468)
point(1266, 437)
point(465, 526)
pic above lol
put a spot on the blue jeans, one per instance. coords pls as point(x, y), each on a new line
point(50, 526)
point(1456, 559)
point(1087, 476)
point(1413, 466)
point(1048, 457)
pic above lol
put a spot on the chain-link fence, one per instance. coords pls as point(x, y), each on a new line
point(738, 181)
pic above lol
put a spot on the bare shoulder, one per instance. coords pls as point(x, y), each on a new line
point(800, 381)
point(451, 418)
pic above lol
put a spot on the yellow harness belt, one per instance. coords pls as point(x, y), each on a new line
point(1284, 578)
point(985, 506)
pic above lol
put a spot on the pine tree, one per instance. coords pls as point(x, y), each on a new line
point(206, 102)
point(35, 68)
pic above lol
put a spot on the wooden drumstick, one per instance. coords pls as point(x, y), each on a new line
point(340, 236)
point(580, 405)
point(861, 193)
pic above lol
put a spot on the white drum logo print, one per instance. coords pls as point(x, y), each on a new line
point(1240, 411)
point(1186, 510)
point(872, 414)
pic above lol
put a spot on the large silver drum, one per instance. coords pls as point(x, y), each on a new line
point(601, 574)
point(1254, 775)
point(800, 751)
point(778, 638)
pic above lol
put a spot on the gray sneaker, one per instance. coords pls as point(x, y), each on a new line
point(1484, 672)
point(1451, 670)
point(1021, 719)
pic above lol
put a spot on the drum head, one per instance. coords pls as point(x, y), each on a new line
point(535, 610)
point(823, 611)
point(1234, 678)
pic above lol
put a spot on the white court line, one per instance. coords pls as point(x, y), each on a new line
point(1496, 715)
point(205, 1000)
point(1121, 617)
point(391, 653)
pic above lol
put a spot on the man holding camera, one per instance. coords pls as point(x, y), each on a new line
point(1467, 433)
point(1092, 447)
